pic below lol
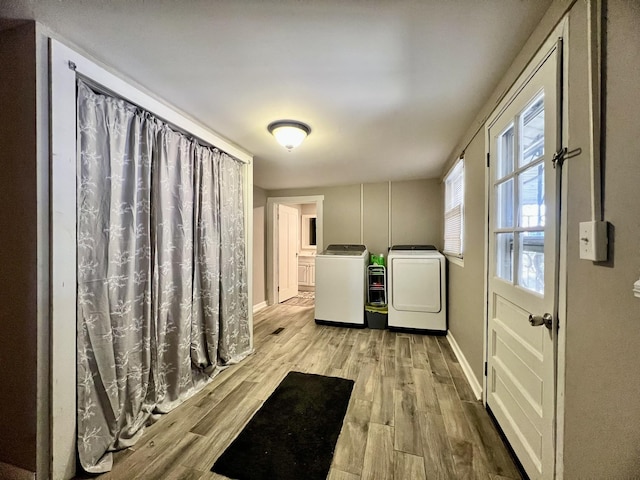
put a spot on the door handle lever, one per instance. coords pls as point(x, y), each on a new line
point(537, 320)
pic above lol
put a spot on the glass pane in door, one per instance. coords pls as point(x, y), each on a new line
point(504, 204)
point(532, 131)
point(506, 149)
point(504, 256)
point(531, 207)
point(531, 261)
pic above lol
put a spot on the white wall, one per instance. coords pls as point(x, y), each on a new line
point(309, 209)
point(417, 215)
point(259, 289)
point(375, 211)
point(466, 283)
point(259, 242)
point(341, 211)
point(602, 397)
point(363, 213)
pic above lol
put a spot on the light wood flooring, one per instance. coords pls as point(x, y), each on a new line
point(412, 414)
point(300, 301)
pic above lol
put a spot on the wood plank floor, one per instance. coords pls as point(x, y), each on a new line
point(412, 415)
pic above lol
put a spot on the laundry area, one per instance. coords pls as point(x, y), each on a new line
point(355, 288)
point(374, 265)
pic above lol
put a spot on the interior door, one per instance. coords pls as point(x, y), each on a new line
point(287, 252)
point(523, 268)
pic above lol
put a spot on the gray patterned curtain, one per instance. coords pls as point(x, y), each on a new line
point(162, 287)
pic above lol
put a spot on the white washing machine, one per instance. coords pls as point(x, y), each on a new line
point(341, 272)
point(417, 288)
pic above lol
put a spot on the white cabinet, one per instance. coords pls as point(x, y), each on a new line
point(310, 275)
point(302, 275)
point(306, 270)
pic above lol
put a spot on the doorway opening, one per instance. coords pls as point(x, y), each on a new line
point(294, 236)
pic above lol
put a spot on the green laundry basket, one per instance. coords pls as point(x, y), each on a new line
point(377, 259)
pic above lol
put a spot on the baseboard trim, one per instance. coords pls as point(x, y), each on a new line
point(466, 368)
point(11, 472)
point(259, 306)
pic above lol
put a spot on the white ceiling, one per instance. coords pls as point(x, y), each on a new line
point(388, 86)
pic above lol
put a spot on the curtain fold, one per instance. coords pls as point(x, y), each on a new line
point(162, 291)
point(234, 338)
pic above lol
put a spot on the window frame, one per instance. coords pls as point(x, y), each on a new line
point(454, 190)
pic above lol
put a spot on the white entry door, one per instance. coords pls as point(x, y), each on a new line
point(287, 252)
point(523, 268)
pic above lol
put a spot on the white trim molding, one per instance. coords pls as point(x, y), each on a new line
point(260, 306)
point(466, 368)
point(63, 262)
point(455, 260)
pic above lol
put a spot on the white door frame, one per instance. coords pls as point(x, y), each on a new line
point(560, 32)
point(272, 236)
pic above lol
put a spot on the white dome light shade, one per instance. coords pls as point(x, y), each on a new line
point(289, 133)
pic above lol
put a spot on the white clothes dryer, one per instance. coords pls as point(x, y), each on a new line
point(417, 289)
point(341, 272)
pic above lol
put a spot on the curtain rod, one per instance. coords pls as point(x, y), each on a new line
point(102, 90)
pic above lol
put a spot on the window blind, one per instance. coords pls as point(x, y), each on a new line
point(454, 210)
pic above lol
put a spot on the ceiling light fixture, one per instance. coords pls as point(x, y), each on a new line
point(289, 133)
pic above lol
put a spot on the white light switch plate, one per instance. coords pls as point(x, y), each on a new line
point(593, 241)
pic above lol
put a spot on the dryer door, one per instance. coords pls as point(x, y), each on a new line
point(416, 284)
